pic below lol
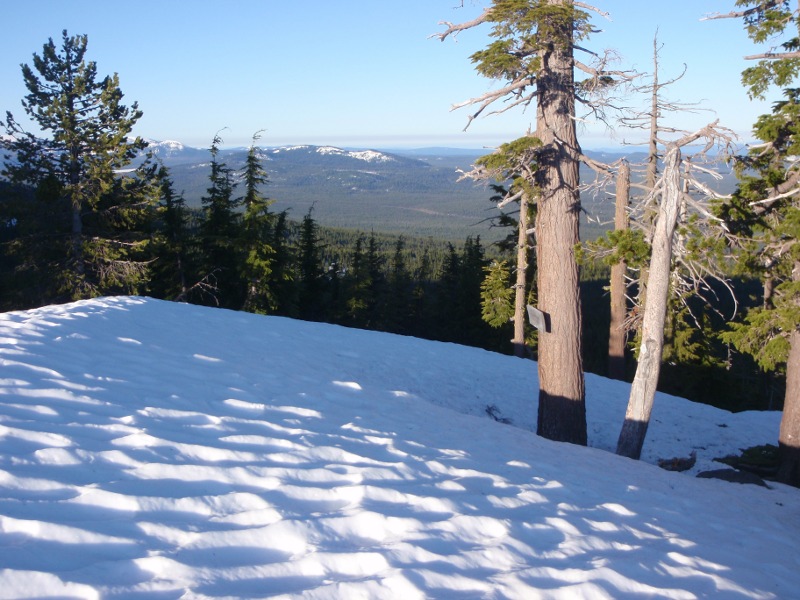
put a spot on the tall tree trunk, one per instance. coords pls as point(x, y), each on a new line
point(562, 406)
point(789, 439)
point(643, 388)
point(617, 335)
point(522, 271)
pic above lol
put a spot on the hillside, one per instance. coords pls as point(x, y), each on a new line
point(356, 189)
point(158, 450)
point(412, 192)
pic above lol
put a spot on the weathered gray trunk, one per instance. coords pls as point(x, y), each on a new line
point(617, 336)
point(522, 270)
point(643, 388)
point(562, 408)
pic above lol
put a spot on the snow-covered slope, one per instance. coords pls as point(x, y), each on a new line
point(157, 450)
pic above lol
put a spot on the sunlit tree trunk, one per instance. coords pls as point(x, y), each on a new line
point(643, 388)
point(562, 407)
point(520, 294)
point(789, 438)
point(617, 335)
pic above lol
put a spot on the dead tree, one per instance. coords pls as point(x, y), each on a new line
point(669, 195)
point(617, 335)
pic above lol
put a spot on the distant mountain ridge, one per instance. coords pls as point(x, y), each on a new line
point(414, 192)
point(353, 188)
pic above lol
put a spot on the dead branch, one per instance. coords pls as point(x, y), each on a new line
point(488, 98)
point(773, 55)
point(742, 13)
point(455, 29)
point(772, 199)
point(594, 9)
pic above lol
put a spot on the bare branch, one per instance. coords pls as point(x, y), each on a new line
point(768, 201)
point(594, 9)
point(488, 98)
point(455, 29)
point(509, 199)
point(773, 56)
point(742, 13)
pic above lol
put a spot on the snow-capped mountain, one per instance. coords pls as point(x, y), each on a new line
point(170, 151)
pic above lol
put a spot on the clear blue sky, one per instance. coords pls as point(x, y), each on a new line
point(352, 72)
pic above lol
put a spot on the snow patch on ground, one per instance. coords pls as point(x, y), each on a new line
point(153, 449)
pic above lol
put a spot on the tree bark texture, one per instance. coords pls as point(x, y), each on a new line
point(617, 337)
point(522, 270)
point(789, 439)
point(643, 388)
point(562, 407)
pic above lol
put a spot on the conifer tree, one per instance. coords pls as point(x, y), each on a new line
point(282, 274)
point(358, 285)
point(764, 213)
point(311, 300)
point(170, 272)
point(447, 325)
point(514, 162)
point(497, 295)
point(420, 294)
point(97, 237)
point(220, 232)
point(398, 304)
point(256, 227)
point(533, 55)
point(377, 284)
point(34, 249)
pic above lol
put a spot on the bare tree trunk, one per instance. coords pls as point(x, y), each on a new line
point(522, 270)
point(789, 439)
point(562, 407)
point(617, 335)
point(643, 388)
point(651, 173)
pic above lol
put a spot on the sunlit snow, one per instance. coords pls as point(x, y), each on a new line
point(157, 450)
point(365, 155)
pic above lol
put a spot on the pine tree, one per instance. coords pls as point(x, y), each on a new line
point(96, 238)
point(171, 269)
point(533, 55)
point(377, 284)
point(256, 228)
point(398, 304)
point(34, 250)
point(472, 328)
point(219, 234)
point(282, 274)
point(516, 163)
point(447, 305)
point(311, 296)
point(421, 305)
point(764, 214)
point(357, 285)
point(497, 294)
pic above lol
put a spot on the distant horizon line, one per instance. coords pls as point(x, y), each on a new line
point(381, 147)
